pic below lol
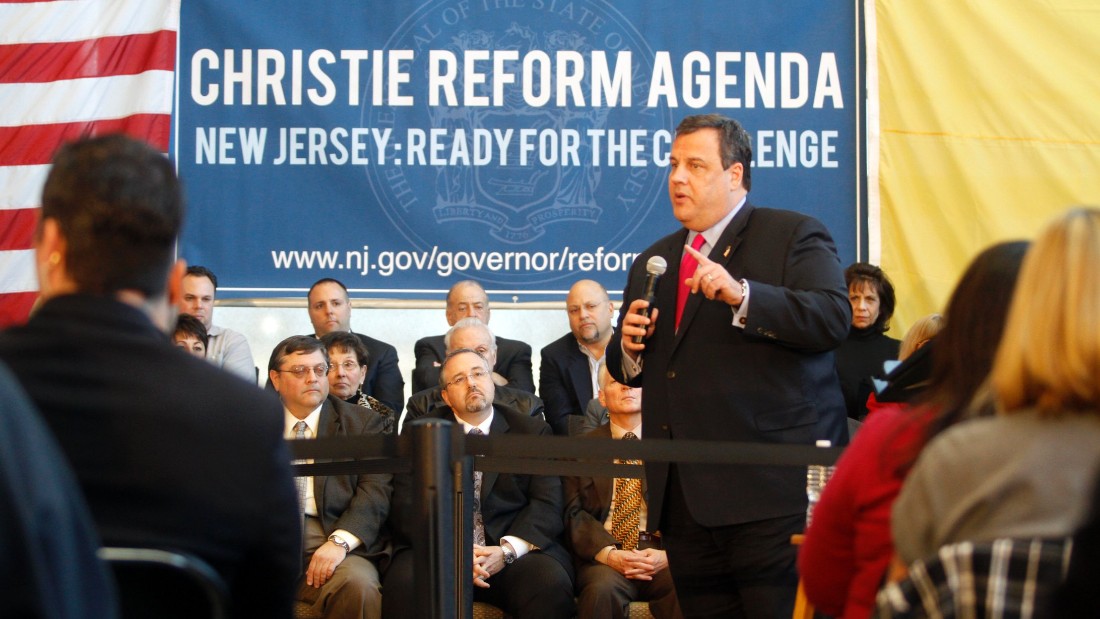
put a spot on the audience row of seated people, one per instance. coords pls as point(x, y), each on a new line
point(1001, 441)
point(527, 514)
point(567, 377)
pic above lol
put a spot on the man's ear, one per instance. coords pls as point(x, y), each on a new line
point(175, 282)
point(49, 258)
point(273, 378)
point(602, 398)
point(443, 392)
point(737, 171)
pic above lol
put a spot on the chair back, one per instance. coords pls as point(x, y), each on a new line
point(166, 584)
point(1007, 578)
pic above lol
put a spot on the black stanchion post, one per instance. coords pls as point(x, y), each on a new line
point(464, 528)
point(433, 505)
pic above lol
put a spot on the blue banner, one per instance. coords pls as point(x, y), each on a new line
point(402, 146)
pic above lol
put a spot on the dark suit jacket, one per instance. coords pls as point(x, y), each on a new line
point(430, 400)
point(383, 376)
point(513, 363)
point(773, 381)
point(587, 505)
point(359, 504)
point(169, 450)
point(526, 506)
point(48, 543)
point(565, 382)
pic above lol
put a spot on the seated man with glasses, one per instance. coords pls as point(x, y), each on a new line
point(473, 334)
point(519, 563)
point(343, 514)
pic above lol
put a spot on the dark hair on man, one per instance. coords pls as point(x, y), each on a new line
point(734, 145)
point(119, 205)
point(189, 325)
point(342, 341)
point(201, 271)
point(864, 273)
point(295, 344)
point(455, 353)
point(327, 280)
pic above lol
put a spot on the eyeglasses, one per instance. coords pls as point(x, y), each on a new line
point(349, 366)
point(461, 379)
point(300, 371)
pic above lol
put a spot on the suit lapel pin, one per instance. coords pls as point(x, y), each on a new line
point(726, 254)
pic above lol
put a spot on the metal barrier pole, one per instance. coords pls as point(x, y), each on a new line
point(433, 507)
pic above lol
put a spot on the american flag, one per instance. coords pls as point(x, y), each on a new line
point(69, 69)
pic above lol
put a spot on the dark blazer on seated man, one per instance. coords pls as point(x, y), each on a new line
point(529, 507)
point(565, 381)
point(513, 363)
point(169, 450)
point(358, 504)
point(430, 401)
point(605, 519)
point(383, 376)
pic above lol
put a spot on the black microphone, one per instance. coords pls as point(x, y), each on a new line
point(654, 267)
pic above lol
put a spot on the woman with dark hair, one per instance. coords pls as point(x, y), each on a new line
point(860, 357)
point(191, 335)
point(348, 361)
point(849, 546)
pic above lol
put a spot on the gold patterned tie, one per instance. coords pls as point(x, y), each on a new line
point(626, 518)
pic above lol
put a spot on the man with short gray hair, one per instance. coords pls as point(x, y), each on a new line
point(467, 299)
point(473, 334)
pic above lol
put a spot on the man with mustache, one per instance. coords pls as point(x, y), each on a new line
point(567, 374)
point(520, 565)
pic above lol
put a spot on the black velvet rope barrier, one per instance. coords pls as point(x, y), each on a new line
point(549, 455)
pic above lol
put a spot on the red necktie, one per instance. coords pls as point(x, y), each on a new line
point(687, 269)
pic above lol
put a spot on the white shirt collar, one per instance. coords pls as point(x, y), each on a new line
point(313, 419)
point(713, 233)
point(618, 431)
point(483, 426)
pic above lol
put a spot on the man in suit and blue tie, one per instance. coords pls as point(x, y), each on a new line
point(343, 536)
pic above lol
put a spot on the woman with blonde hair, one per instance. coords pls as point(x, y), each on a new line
point(1028, 471)
point(919, 334)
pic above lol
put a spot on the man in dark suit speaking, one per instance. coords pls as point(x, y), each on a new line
point(737, 347)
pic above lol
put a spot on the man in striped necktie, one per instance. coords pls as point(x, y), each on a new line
point(617, 560)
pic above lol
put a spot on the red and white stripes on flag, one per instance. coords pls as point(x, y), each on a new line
point(70, 69)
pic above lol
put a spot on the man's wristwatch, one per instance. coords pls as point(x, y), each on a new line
point(339, 541)
point(509, 553)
